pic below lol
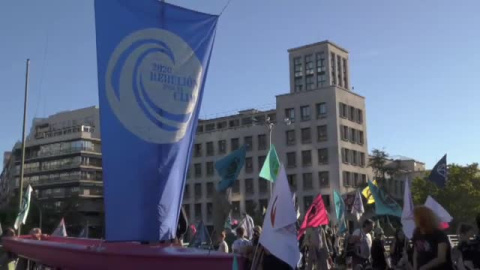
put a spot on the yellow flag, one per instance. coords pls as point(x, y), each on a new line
point(368, 195)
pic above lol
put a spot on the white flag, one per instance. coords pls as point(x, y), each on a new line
point(279, 235)
point(408, 222)
point(442, 214)
point(357, 208)
point(22, 215)
point(61, 230)
point(248, 225)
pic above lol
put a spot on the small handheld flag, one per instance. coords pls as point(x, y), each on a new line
point(438, 175)
point(384, 204)
point(357, 208)
point(408, 223)
point(368, 195)
point(61, 230)
point(270, 166)
point(339, 211)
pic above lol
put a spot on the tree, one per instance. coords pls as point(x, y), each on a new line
point(460, 197)
point(382, 166)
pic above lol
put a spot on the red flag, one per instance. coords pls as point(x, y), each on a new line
point(316, 215)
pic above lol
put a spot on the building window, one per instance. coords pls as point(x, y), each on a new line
point(290, 114)
point(323, 179)
point(222, 125)
point(321, 80)
point(353, 137)
point(354, 158)
point(326, 202)
point(186, 207)
point(309, 64)
point(345, 76)
point(262, 186)
point(305, 113)
point(297, 67)
point(248, 142)
point(292, 181)
point(290, 134)
point(310, 82)
point(344, 132)
point(360, 137)
point(306, 135)
point(249, 190)
point(343, 110)
point(272, 117)
point(322, 133)
point(210, 189)
point(209, 211)
point(236, 187)
point(320, 62)
point(346, 179)
point(291, 160)
point(339, 70)
point(234, 123)
point(345, 155)
point(362, 159)
point(198, 211)
point(198, 150)
point(364, 179)
point(356, 179)
point(210, 127)
point(247, 121)
point(307, 201)
point(261, 160)
point(332, 62)
point(210, 150)
point(307, 181)
point(186, 192)
point(199, 129)
point(234, 144)
point(262, 142)
point(359, 116)
point(351, 113)
point(236, 209)
point(248, 165)
point(222, 146)
point(298, 84)
point(321, 110)
point(209, 168)
point(307, 158)
point(323, 156)
point(198, 170)
point(198, 191)
point(250, 206)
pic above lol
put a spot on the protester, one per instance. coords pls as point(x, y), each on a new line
point(362, 241)
point(398, 246)
point(316, 244)
point(222, 246)
point(239, 245)
point(431, 245)
point(464, 253)
point(7, 259)
point(379, 261)
point(36, 233)
point(255, 253)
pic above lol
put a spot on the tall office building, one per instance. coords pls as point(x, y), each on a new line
point(63, 165)
point(319, 131)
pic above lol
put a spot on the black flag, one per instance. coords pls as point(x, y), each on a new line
point(438, 175)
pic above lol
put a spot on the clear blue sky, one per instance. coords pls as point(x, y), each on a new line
point(416, 62)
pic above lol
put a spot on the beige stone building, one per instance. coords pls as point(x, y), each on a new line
point(319, 131)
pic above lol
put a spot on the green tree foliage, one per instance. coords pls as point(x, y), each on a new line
point(460, 197)
point(383, 167)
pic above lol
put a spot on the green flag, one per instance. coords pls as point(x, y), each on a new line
point(22, 215)
point(271, 165)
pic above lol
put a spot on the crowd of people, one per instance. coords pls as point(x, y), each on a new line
point(366, 248)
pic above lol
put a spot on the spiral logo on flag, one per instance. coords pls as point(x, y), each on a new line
point(152, 83)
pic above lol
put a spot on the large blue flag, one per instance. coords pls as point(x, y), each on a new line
point(229, 168)
point(384, 204)
point(152, 64)
point(438, 175)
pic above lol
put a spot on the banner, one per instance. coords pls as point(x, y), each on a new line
point(315, 217)
point(152, 64)
point(384, 204)
point(339, 211)
point(23, 213)
point(357, 208)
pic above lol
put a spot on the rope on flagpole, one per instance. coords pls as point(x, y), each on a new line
point(225, 7)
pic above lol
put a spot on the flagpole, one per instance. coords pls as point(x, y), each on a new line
point(270, 131)
point(22, 167)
